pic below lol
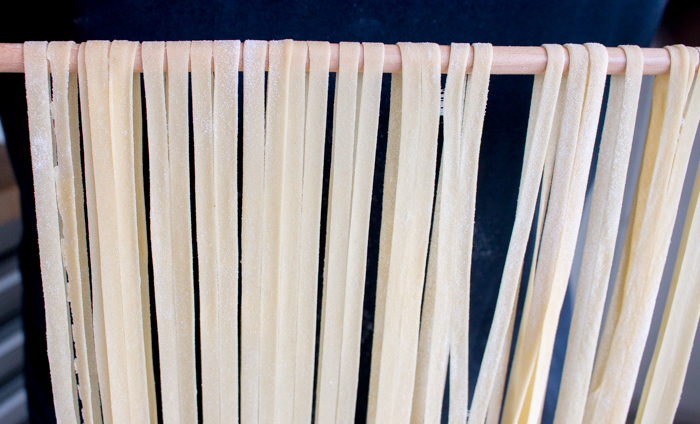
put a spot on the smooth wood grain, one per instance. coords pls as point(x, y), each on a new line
point(506, 60)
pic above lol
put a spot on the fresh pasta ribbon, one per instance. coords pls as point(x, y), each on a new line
point(70, 208)
point(606, 204)
point(646, 245)
point(100, 233)
point(544, 95)
point(58, 333)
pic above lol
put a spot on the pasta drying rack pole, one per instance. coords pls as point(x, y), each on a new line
point(506, 60)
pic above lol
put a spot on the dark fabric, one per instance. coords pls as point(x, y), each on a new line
point(517, 22)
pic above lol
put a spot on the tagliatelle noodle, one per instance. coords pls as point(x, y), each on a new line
point(226, 63)
point(434, 341)
point(312, 186)
point(290, 227)
point(369, 89)
point(121, 81)
point(58, 333)
point(527, 351)
point(599, 248)
point(177, 82)
point(143, 245)
point(337, 232)
point(94, 243)
point(205, 207)
point(153, 54)
point(544, 97)
point(646, 245)
point(251, 219)
point(666, 375)
point(391, 169)
point(413, 208)
point(97, 67)
point(472, 127)
point(69, 190)
point(280, 56)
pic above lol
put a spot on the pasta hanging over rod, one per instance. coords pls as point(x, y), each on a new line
point(259, 308)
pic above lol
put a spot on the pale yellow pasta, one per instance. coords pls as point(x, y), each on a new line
point(202, 128)
point(656, 201)
point(545, 92)
point(121, 65)
point(226, 61)
point(153, 54)
point(251, 220)
point(280, 56)
point(70, 208)
point(434, 342)
point(178, 55)
point(58, 335)
point(97, 67)
point(94, 240)
point(312, 185)
point(339, 204)
point(290, 227)
point(608, 190)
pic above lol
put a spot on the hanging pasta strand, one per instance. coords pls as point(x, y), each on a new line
point(666, 375)
point(309, 239)
point(178, 55)
point(94, 245)
point(413, 207)
point(433, 342)
point(202, 128)
point(369, 97)
point(58, 334)
point(470, 144)
point(646, 245)
point(391, 169)
point(121, 64)
point(290, 227)
point(280, 56)
point(226, 63)
point(97, 67)
point(143, 246)
point(69, 190)
point(544, 95)
point(606, 204)
point(251, 228)
point(161, 221)
point(337, 232)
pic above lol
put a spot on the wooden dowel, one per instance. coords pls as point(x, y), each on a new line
point(506, 60)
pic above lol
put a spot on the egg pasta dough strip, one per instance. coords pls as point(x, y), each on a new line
point(545, 92)
point(251, 228)
point(656, 203)
point(177, 84)
point(369, 97)
point(337, 233)
point(153, 54)
point(290, 227)
point(280, 55)
point(94, 243)
point(309, 239)
point(58, 334)
point(97, 66)
point(121, 64)
point(69, 192)
point(470, 144)
point(433, 341)
point(226, 63)
point(606, 204)
point(385, 240)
